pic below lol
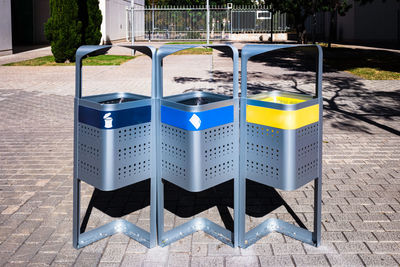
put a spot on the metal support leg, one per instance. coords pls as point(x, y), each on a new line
point(76, 212)
point(317, 211)
point(296, 232)
point(81, 240)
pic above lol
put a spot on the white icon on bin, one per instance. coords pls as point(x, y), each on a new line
point(108, 121)
point(195, 121)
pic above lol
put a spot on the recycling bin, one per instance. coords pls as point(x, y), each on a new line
point(114, 146)
point(114, 136)
point(280, 145)
point(199, 144)
point(282, 139)
point(197, 140)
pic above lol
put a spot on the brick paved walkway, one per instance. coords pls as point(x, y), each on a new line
point(361, 183)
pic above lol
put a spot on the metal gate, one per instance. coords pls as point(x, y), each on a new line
point(190, 22)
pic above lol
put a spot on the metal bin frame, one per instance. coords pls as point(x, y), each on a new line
point(101, 141)
point(286, 165)
point(195, 178)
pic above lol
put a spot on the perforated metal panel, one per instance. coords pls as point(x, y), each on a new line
point(285, 159)
point(197, 160)
point(113, 158)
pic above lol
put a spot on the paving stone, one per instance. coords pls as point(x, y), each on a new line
point(133, 260)
point(324, 248)
point(158, 254)
point(388, 236)
point(367, 226)
point(308, 260)
point(360, 236)
point(43, 258)
point(352, 248)
point(378, 260)
point(25, 253)
point(242, 261)
point(345, 260)
point(178, 259)
point(88, 259)
point(206, 261)
point(135, 247)
point(257, 249)
point(384, 248)
point(183, 245)
point(283, 260)
point(338, 226)
point(391, 226)
point(287, 249)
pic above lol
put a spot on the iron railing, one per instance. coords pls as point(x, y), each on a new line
point(190, 22)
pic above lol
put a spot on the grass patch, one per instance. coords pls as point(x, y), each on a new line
point(195, 51)
point(365, 63)
point(101, 60)
point(189, 42)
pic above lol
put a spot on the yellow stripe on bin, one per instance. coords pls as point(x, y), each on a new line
point(282, 119)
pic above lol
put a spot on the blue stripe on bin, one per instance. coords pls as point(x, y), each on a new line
point(120, 118)
point(209, 118)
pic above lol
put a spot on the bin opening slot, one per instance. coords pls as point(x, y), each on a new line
point(196, 101)
point(118, 100)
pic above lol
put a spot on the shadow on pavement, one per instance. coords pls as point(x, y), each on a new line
point(260, 201)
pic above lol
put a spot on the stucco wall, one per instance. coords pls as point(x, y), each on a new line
point(114, 18)
point(5, 27)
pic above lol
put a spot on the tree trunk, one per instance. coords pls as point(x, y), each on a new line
point(331, 28)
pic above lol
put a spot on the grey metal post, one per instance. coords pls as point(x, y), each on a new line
point(318, 181)
point(243, 155)
point(76, 181)
point(272, 26)
point(132, 26)
point(208, 22)
point(152, 22)
point(231, 20)
point(160, 185)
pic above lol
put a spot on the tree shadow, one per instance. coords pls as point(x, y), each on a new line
point(260, 201)
point(346, 97)
point(120, 202)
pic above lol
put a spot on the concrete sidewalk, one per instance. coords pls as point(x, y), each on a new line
point(361, 173)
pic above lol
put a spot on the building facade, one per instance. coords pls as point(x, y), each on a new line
point(22, 22)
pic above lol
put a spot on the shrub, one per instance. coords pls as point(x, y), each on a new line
point(90, 15)
point(63, 29)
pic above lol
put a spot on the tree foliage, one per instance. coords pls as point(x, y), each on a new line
point(63, 29)
point(72, 23)
point(90, 15)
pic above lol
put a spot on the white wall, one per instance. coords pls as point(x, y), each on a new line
point(5, 27)
point(114, 18)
